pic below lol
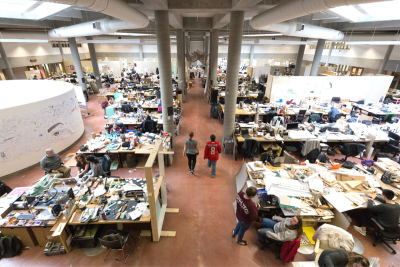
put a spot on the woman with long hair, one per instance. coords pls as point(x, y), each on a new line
point(82, 164)
point(191, 151)
point(341, 257)
point(96, 168)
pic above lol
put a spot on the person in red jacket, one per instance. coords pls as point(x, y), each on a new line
point(246, 213)
point(211, 153)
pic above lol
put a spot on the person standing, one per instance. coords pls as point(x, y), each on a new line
point(246, 213)
point(211, 153)
point(53, 165)
point(191, 151)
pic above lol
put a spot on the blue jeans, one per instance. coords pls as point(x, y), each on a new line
point(214, 166)
point(267, 226)
point(240, 229)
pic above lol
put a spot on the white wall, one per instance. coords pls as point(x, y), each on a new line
point(361, 51)
point(370, 88)
point(45, 115)
point(37, 49)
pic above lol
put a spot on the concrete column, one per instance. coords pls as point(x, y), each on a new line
point(186, 43)
point(385, 59)
point(95, 65)
point(251, 55)
point(232, 71)
point(317, 57)
point(9, 71)
point(77, 62)
point(213, 61)
point(180, 49)
point(164, 60)
point(141, 52)
point(208, 52)
point(299, 60)
point(329, 55)
point(61, 50)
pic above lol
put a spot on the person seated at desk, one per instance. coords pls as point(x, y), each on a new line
point(82, 164)
point(34, 77)
point(111, 101)
point(280, 229)
point(269, 156)
point(291, 102)
point(325, 157)
point(388, 213)
point(115, 128)
point(152, 128)
point(340, 257)
point(332, 113)
point(96, 169)
point(53, 165)
point(159, 108)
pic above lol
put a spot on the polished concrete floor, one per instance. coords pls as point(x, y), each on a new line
point(205, 220)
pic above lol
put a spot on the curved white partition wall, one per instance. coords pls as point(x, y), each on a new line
point(34, 116)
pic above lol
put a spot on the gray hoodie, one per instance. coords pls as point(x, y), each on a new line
point(281, 232)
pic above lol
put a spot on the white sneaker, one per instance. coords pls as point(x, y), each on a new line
point(359, 229)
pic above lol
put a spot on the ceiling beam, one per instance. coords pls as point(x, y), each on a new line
point(176, 20)
point(156, 4)
point(201, 23)
point(27, 22)
point(366, 25)
point(71, 13)
point(241, 4)
point(220, 20)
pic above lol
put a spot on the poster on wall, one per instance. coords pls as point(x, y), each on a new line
point(38, 130)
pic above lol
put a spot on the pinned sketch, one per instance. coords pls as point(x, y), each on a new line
point(38, 130)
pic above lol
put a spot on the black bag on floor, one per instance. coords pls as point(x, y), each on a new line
point(381, 155)
point(10, 246)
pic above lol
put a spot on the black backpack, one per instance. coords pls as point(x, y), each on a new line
point(4, 189)
point(10, 246)
point(348, 164)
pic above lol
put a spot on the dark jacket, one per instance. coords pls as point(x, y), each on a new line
point(149, 126)
point(250, 147)
point(352, 149)
point(312, 155)
point(269, 116)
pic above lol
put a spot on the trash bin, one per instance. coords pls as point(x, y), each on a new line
point(228, 146)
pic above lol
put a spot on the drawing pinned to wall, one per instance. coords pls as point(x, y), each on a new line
point(38, 130)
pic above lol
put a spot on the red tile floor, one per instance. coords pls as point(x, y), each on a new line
point(205, 220)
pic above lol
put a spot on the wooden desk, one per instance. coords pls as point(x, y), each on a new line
point(240, 112)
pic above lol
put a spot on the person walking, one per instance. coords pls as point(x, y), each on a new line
point(246, 213)
point(190, 148)
point(211, 153)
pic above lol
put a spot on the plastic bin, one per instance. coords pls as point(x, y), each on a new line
point(228, 146)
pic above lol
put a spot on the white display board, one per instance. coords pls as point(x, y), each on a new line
point(346, 87)
point(79, 95)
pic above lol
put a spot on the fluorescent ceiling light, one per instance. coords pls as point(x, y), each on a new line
point(23, 41)
point(379, 11)
point(260, 35)
point(26, 9)
point(374, 43)
point(276, 42)
point(131, 34)
point(110, 41)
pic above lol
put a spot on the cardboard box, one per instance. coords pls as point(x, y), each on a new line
point(350, 177)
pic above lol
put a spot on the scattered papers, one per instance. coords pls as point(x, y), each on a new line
point(130, 187)
point(294, 202)
point(135, 214)
point(316, 185)
point(254, 168)
point(99, 190)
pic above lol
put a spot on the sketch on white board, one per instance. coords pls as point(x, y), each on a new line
point(38, 130)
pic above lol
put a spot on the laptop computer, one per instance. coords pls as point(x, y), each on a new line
point(336, 166)
point(245, 134)
point(277, 161)
point(292, 126)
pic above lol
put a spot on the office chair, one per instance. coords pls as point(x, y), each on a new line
point(382, 236)
point(150, 127)
point(248, 120)
point(301, 115)
point(350, 150)
point(116, 240)
point(335, 99)
point(337, 117)
point(250, 147)
point(393, 145)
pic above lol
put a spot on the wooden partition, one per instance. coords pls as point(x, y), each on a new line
point(158, 207)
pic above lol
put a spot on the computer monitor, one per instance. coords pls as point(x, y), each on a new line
point(292, 126)
point(394, 136)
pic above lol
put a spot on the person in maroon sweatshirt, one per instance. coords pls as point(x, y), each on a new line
point(211, 153)
point(246, 213)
